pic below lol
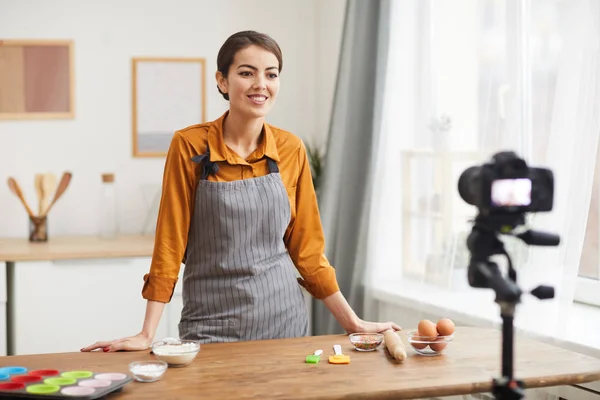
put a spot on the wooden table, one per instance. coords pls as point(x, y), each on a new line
point(275, 369)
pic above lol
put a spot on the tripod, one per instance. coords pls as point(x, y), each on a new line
point(483, 243)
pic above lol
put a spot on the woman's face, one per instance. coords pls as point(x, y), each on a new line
point(252, 82)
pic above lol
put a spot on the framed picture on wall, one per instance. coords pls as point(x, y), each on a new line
point(36, 79)
point(168, 94)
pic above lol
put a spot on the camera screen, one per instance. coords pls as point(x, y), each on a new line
point(511, 192)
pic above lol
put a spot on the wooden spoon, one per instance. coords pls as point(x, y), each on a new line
point(62, 186)
point(39, 190)
point(14, 187)
point(48, 187)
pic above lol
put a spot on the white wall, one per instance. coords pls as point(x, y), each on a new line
point(107, 35)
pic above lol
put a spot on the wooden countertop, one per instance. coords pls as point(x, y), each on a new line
point(75, 247)
point(275, 369)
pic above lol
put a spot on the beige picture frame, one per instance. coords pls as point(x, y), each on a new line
point(37, 79)
point(167, 94)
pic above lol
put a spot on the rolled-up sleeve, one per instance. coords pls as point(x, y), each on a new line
point(175, 211)
point(305, 239)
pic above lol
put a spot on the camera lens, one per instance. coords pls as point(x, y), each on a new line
point(468, 185)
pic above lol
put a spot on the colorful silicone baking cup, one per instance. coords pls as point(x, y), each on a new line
point(77, 391)
point(114, 376)
point(77, 374)
point(26, 378)
point(11, 386)
point(44, 372)
point(97, 383)
point(4, 376)
point(13, 370)
point(60, 381)
point(42, 389)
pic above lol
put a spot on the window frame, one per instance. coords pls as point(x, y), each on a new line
point(587, 291)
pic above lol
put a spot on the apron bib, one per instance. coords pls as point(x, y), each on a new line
point(239, 281)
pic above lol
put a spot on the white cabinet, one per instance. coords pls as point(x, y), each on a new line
point(62, 306)
point(173, 309)
point(173, 315)
point(3, 309)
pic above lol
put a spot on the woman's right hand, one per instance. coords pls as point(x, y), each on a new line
point(131, 343)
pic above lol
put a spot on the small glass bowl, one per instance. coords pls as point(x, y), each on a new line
point(428, 346)
point(148, 371)
point(177, 353)
point(366, 341)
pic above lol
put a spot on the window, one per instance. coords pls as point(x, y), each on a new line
point(535, 46)
point(494, 68)
point(588, 283)
point(546, 32)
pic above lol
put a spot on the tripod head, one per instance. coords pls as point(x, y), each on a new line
point(503, 191)
point(483, 242)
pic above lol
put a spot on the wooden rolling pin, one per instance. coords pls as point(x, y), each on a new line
point(394, 344)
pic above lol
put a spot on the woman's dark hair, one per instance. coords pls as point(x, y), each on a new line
point(239, 41)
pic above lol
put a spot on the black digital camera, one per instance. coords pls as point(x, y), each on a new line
point(507, 184)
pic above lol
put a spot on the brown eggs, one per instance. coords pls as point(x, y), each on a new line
point(445, 327)
point(419, 346)
point(438, 346)
point(427, 329)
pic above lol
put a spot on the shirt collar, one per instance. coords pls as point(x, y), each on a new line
point(268, 146)
point(218, 148)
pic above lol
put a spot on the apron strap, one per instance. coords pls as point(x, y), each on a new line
point(211, 168)
point(208, 167)
point(273, 167)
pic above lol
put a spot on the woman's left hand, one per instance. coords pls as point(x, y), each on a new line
point(374, 327)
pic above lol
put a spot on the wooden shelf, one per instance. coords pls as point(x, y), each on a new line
point(76, 247)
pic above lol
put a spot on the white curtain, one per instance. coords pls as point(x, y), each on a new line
point(570, 150)
point(465, 80)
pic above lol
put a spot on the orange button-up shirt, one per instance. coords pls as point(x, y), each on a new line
point(304, 236)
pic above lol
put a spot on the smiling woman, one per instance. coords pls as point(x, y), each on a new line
point(239, 208)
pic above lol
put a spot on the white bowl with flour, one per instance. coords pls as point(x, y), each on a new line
point(176, 353)
point(143, 371)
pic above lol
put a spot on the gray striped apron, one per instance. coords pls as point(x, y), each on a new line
point(239, 281)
